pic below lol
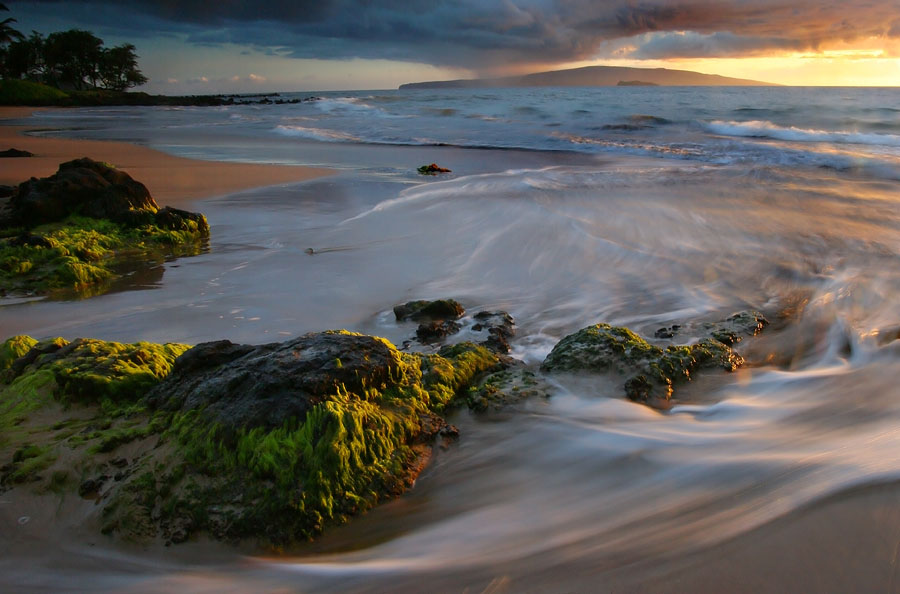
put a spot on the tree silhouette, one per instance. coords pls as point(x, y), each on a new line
point(7, 33)
point(118, 68)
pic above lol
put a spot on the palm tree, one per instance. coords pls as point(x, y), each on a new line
point(7, 33)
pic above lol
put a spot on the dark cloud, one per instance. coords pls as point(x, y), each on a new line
point(485, 33)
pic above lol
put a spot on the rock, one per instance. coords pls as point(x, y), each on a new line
point(84, 187)
point(243, 387)
point(506, 388)
point(669, 332)
point(500, 327)
point(267, 442)
point(729, 331)
point(432, 169)
point(429, 332)
point(733, 329)
point(181, 220)
point(651, 371)
point(440, 309)
point(14, 153)
point(6, 191)
point(90, 489)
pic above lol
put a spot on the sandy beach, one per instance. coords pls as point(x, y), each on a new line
point(172, 181)
point(259, 284)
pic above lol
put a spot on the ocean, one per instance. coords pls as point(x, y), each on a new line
point(635, 206)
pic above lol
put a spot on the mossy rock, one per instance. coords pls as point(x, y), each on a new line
point(504, 389)
point(13, 348)
point(77, 229)
point(271, 443)
point(439, 309)
point(90, 370)
point(651, 371)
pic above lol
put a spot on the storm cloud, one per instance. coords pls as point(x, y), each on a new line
point(478, 34)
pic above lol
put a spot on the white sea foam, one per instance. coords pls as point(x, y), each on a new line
point(315, 133)
point(764, 129)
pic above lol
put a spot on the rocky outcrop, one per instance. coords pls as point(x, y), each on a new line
point(85, 187)
point(14, 153)
point(650, 371)
point(271, 442)
point(244, 387)
point(100, 213)
point(97, 190)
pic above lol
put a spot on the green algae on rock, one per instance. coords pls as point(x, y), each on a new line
point(13, 348)
point(76, 229)
point(650, 370)
point(439, 309)
point(506, 388)
point(346, 421)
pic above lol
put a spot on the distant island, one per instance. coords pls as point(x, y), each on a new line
point(596, 76)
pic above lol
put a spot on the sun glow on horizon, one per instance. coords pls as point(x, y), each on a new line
point(873, 62)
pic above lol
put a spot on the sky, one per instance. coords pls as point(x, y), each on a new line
point(238, 46)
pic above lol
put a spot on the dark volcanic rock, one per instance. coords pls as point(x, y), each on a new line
point(181, 220)
point(728, 331)
point(500, 327)
point(429, 332)
point(440, 309)
point(14, 153)
point(84, 187)
point(243, 386)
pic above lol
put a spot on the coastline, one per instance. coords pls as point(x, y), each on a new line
point(846, 541)
point(172, 181)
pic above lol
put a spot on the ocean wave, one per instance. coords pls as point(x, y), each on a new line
point(764, 129)
point(316, 134)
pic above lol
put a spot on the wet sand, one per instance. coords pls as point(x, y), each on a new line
point(172, 181)
point(844, 543)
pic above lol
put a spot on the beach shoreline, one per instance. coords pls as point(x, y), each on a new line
point(172, 181)
point(263, 283)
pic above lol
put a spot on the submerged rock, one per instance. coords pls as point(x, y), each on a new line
point(651, 371)
point(506, 388)
point(500, 327)
point(729, 331)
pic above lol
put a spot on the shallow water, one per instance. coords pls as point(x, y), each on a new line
point(583, 483)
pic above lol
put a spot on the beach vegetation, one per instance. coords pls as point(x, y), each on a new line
point(74, 60)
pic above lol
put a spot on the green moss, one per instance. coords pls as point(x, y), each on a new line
point(24, 395)
point(652, 371)
point(90, 370)
point(27, 462)
point(351, 450)
point(81, 252)
point(13, 348)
